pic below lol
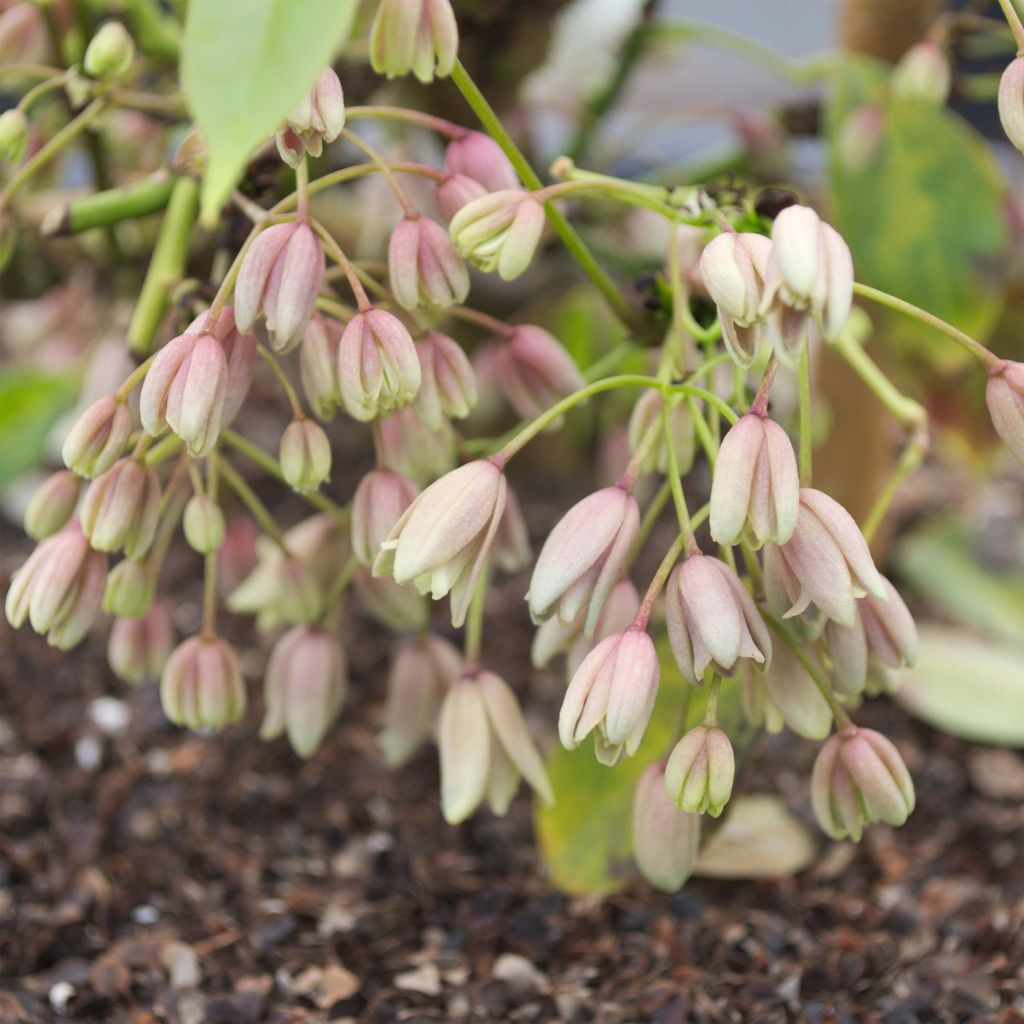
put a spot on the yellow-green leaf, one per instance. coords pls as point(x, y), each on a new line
point(245, 64)
point(30, 403)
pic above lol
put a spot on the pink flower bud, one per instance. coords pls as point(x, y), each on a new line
point(98, 438)
point(52, 505)
point(22, 34)
point(280, 278)
point(401, 609)
point(318, 366)
point(584, 557)
point(477, 156)
point(185, 389)
point(883, 631)
point(922, 73)
point(454, 191)
point(418, 36)
point(666, 840)
point(860, 778)
point(448, 385)
point(120, 508)
point(786, 695)
point(201, 685)
point(317, 118)
point(617, 615)
point(1011, 102)
point(733, 268)
point(422, 671)
point(860, 138)
point(612, 692)
point(305, 456)
point(646, 413)
point(130, 589)
point(1004, 395)
point(499, 231)
point(378, 369)
point(379, 503)
point(423, 267)
point(203, 524)
point(535, 371)
point(138, 649)
point(700, 771)
point(240, 353)
point(826, 562)
point(511, 550)
point(236, 556)
point(59, 588)
point(304, 688)
point(756, 484)
point(412, 448)
point(485, 748)
point(712, 620)
point(443, 539)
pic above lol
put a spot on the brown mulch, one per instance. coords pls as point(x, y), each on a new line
point(151, 875)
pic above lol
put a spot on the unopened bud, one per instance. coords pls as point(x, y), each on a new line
point(454, 191)
point(52, 505)
point(666, 840)
point(98, 438)
point(499, 231)
point(378, 369)
point(423, 267)
point(110, 53)
point(1011, 102)
point(380, 501)
point(318, 366)
point(317, 118)
point(138, 649)
point(201, 685)
point(535, 370)
point(13, 135)
point(305, 456)
point(1004, 395)
point(130, 588)
point(121, 507)
point(922, 74)
point(448, 384)
point(203, 524)
point(418, 36)
point(478, 157)
point(700, 771)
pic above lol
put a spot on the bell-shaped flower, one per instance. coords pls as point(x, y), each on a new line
point(423, 267)
point(712, 620)
point(305, 456)
point(499, 231)
point(700, 771)
point(201, 686)
point(583, 558)
point(380, 501)
point(378, 369)
point(317, 118)
point(139, 648)
point(666, 840)
point(756, 484)
point(418, 36)
point(448, 384)
point(859, 778)
point(786, 696)
point(477, 156)
point(318, 366)
point(442, 541)
point(52, 504)
point(121, 507)
point(485, 748)
point(1004, 395)
point(825, 563)
point(98, 438)
point(1011, 102)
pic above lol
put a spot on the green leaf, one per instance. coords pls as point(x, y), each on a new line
point(967, 686)
point(245, 65)
point(941, 563)
point(586, 836)
point(30, 403)
point(924, 216)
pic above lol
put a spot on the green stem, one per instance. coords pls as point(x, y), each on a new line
point(674, 479)
point(286, 385)
point(965, 341)
point(41, 89)
point(643, 615)
point(708, 396)
point(408, 209)
point(1014, 21)
point(112, 206)
point(163, 450)
point(167, 265)
point(565, 231)
point(806, 418)
point(437, 124)
point(475, 620)
point(711, 710)
point(651, 514)
point(908, 412)
point(911, 459)
point(651, 197)
point(704, 435)
point(249, 498)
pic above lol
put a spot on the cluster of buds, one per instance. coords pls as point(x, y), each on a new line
point(317, 118)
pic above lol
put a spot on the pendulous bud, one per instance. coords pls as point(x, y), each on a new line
point(535, 371)
point(583, 558)
point(418, 36)
point(1004, 395)
point(317, 118)
point(203, 524)
point(477, 156)
point(454, 191)
point(922, 73)
point(13, 135)
point(422, 670)
point(110, 53)
point(121, 507)
point(756, 484)
point(443, 539)
point(304, 688)
point(825, 563)
point(98, 438)
point(279, 280)
point(485, 748)
point(499, 231)
point(380, 502)
point(1011, 102)
point(59, 588)
point(666, 840)
point(52, 505)
point(859, 778)
point(612, 695)
point(240, 353)
point(700, 771)
point(786, 695)
point(712, 620)
point(318, 366)
point(423, 267)
point(201, 685)
point(448, 384)
point(130, 589)
point(378, 369)
point(305, 456)
point(138, 649)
